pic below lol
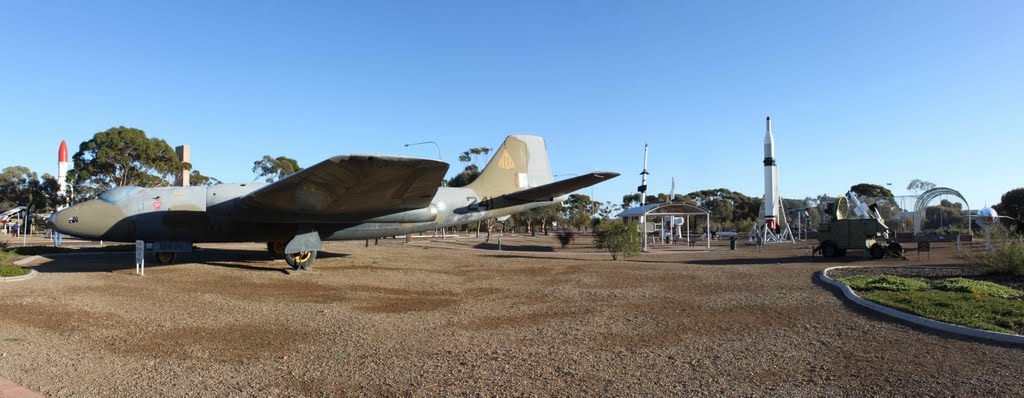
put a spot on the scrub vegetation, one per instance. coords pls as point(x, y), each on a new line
point(1006, 256)
point(960, 301)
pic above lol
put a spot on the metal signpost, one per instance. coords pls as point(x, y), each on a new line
point(140, 258)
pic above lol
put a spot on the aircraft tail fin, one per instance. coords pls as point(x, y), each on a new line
point(520, 163)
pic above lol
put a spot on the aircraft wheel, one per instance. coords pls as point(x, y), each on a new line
point(165, 257)
point(829, 249)
point(301, 260)
point(276, 249)
point(876, 251)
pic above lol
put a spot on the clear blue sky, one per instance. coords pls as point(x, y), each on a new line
point(859, 91)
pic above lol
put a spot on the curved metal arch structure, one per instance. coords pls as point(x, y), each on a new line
point(922, 204)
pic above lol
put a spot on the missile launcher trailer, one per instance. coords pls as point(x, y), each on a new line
point(838, 234)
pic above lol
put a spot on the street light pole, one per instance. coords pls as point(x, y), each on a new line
point(428, 142)
point(442, 180)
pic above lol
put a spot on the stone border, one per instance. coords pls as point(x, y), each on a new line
point(917, 320)
point(31, 274)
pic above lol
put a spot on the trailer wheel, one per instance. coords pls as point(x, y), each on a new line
point(829, 249)
point(896, 249)
point(877, 251)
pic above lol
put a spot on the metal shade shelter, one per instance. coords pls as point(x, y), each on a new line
point(662, 210)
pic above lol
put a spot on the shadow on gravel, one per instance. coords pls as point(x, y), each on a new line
point(539, 257)
point(880, 317)
point(757, 261)
point(255, 260)
point(515, 248)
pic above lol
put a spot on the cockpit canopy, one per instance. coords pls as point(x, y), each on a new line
point(115, 194)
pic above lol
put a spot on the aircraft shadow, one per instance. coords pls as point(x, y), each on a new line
point(255, 260)
point(515, 248)
point(764, 261)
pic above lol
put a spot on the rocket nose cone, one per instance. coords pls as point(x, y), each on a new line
point(62, 154)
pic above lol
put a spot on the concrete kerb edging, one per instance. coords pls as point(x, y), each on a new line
point(31, 274)
point(917, 320)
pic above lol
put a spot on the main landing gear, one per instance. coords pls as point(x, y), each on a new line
point(165, 257)
point(301, 261)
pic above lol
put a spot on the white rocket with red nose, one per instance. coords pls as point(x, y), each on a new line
point(62, 175)
point(771, 178)
point(772, 226)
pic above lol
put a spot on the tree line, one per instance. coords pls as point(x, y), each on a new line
point(124, 156)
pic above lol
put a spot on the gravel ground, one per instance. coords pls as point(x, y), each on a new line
point(446, 318)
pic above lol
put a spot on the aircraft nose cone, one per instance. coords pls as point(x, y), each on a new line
point(50, 221)
point(93, 219)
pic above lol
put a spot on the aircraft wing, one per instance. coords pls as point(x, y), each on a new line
point(351, 187)
point(550, 191)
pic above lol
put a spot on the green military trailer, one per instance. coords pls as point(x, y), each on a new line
point(838, 234)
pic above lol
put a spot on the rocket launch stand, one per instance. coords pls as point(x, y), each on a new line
point(763, 233)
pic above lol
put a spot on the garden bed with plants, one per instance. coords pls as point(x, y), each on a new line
point(985, 293)
point(961, 301)
point(7, 268)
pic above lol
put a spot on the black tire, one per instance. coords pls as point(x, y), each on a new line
point(876, 251)
point(841, 253)
point(165, 257)
point(829, 250)
point(896, 249)
point(301, 260)
point(276, 249)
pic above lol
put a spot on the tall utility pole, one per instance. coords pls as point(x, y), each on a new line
point(643, 199)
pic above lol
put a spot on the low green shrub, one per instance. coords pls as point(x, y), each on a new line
point(977, 288)
point(885, 282)
point(980, 312)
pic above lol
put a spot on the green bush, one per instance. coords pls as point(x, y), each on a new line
point(885, 282)
point(565, 238)
point(977, 288)
point(618, 237)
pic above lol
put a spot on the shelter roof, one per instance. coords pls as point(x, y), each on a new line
point(676, 208)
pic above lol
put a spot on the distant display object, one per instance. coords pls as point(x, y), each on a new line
point(987, 215)
point(350, 197)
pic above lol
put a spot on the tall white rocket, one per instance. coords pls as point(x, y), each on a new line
point(771, 178)
point(62, 175)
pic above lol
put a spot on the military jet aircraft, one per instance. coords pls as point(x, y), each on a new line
point(350, 197)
